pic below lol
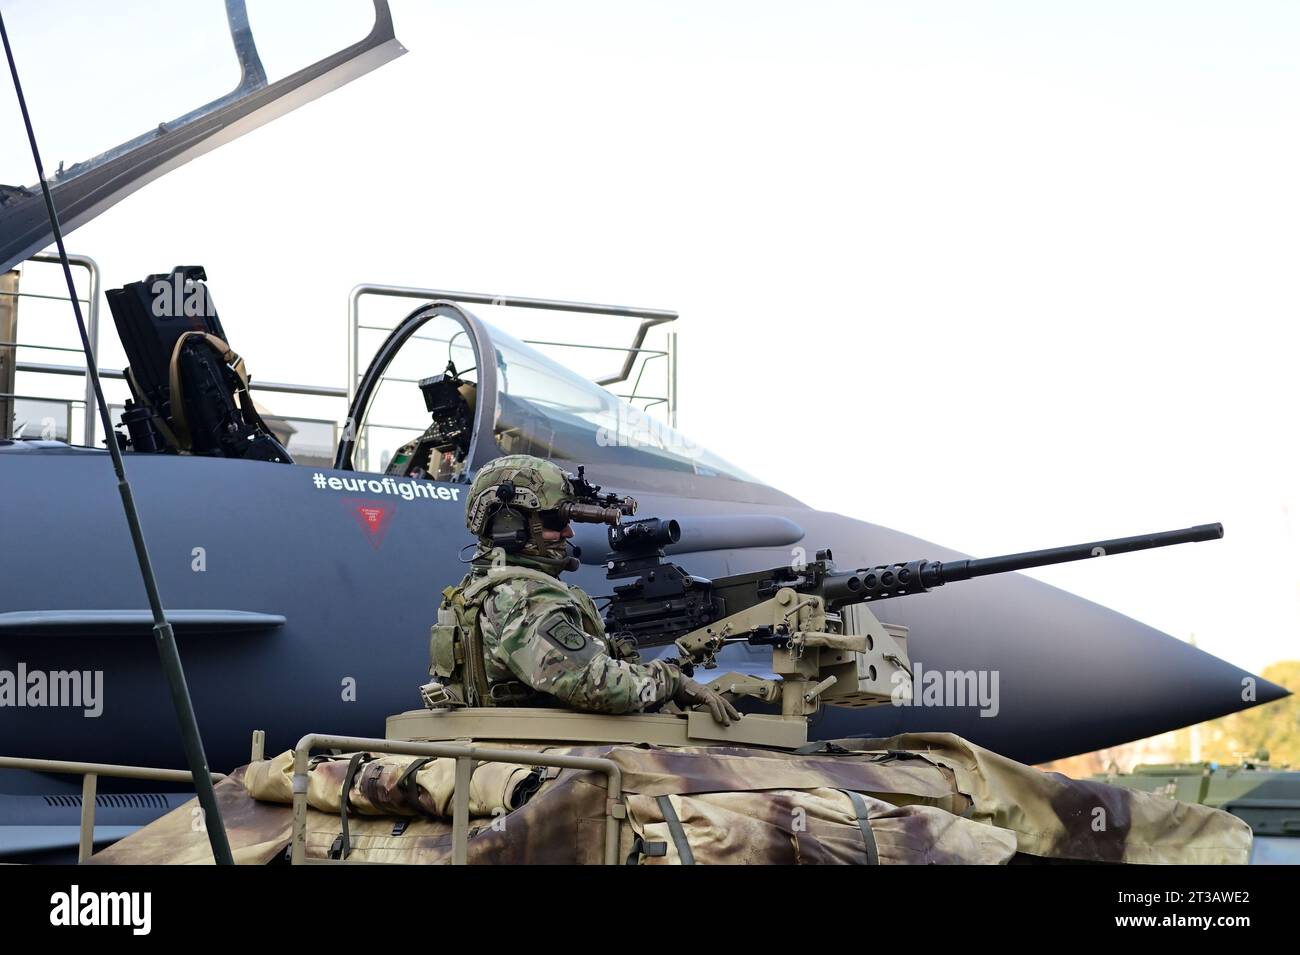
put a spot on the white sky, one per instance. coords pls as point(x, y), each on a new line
point(1001, 275)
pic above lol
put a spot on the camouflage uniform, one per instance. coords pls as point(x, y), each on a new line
point(539, 639)
point(547, 636)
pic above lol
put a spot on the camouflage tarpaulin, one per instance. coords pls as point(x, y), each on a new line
point(814, 827)
point(563, 824)
point(916, 799)
point(660, 771)
point(1061, 818)
point(258, 832)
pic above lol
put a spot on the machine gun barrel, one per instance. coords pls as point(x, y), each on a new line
point(982, 567)
point(919, 576)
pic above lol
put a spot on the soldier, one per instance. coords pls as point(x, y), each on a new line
point(512, 634)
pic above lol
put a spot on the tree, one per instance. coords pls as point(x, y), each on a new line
point(1274, 727)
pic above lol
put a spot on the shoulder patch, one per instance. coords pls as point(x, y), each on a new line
point(564, 634)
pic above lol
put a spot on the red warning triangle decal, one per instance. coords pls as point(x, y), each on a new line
point(374, 517)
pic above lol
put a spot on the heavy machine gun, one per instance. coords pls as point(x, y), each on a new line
point(826, 644)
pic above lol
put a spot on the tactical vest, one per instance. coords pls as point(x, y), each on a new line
point(457, 650)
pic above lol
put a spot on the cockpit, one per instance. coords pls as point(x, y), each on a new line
point(518, 401)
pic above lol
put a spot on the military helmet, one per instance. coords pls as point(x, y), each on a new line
point(522, 482)
point(516, 499)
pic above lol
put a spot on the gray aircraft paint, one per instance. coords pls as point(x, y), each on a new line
point(1074, 676)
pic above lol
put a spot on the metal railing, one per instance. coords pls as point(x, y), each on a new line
point(649, 318)
point(319, 391)
point(92, 332)
point(90, 773)
point(67, 403)
point(466, 756)
point(91, 416)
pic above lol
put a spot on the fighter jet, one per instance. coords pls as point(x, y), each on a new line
point(303, 593)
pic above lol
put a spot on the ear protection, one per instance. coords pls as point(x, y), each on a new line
point(508, 530)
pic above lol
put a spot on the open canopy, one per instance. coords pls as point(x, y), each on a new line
point(165, 83)
point(526, 403)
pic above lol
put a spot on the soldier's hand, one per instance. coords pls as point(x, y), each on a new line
point(691, 694)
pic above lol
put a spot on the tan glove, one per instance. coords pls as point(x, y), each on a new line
point(691, 694)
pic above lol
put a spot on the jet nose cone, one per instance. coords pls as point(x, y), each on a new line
point(1268, 692)
point(1031, 671)
point(1054, 675)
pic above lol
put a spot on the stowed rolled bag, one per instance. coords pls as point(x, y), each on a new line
point(394, 785)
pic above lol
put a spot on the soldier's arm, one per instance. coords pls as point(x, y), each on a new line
point(543, 644)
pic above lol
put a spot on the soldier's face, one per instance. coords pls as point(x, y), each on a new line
point(561, 535)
